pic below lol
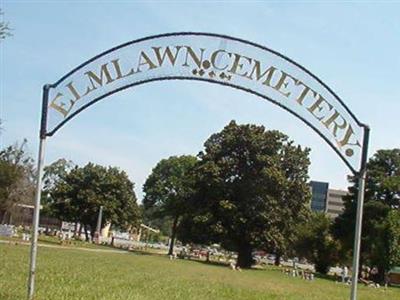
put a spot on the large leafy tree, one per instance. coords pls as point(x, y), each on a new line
point(53, 173)
point(168, 189)
point(251, 191)
point(77, 196)
point(151, 218)
point(392, 239)
point(383, 178)
point(17, 179)
point(382, 195)
point(315, 242)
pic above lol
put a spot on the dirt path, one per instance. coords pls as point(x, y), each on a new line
point(64, 247)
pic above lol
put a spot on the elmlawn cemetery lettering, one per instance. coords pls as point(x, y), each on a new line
point(217, 64)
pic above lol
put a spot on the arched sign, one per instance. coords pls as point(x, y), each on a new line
point(213, 58)
point(216, 59)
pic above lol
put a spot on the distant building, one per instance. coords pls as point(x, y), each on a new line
point(329, 201)
point(319, 191)
point(335, 202)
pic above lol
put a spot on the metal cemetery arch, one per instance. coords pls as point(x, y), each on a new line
point(216, 59)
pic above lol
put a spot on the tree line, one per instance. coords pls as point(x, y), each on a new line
point(247, 190)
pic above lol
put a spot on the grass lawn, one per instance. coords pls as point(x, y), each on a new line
point(76, 274)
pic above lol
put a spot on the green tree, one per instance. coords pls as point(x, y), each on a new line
point(314, 242)
point(384, 249)
point(9, 176)
point(164, 224)
point(79, 194)
point(382, 195)
point(5, 29)
point(251, 192)
point(17, 178)
point(392, 239)
point(52, 174)
point(168, 189)
point(383, 178)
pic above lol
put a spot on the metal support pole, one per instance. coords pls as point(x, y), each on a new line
point(357, 240)
point(360, 206)
point(35, 222)
point(36, 213)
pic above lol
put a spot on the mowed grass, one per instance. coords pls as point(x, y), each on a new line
point(74, 274)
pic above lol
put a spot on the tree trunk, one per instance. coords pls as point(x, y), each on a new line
point(245, 258)
point(93, 233)
point(4, 218)
point(86, 233)
point(75, 229)
point(173, 234)
point(380, 277)
point(277, 259)
point(79, 231)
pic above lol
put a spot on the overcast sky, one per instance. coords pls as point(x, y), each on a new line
point(353, 47)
